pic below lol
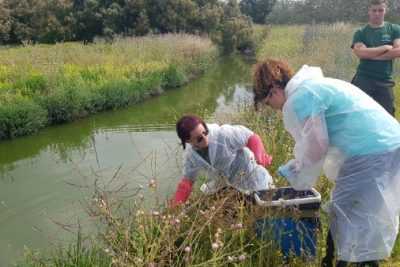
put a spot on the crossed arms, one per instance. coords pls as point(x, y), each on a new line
point(383, 52)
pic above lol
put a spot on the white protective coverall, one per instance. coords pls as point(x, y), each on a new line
point(340, 129)
point(231, 162)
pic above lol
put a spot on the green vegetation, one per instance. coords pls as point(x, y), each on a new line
point(43, 84)
point(52, 21)
point(327, 46)
point(258, 10)
point(327, 11)
point(218, 230)
point(206, 231)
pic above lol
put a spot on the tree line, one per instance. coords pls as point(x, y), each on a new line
point(51, 21)
point(327, 11)
point(227, 22)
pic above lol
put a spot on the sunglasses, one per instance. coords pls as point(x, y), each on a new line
point(269, 95)
point(200, 138)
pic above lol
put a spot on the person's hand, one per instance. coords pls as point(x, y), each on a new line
point(387, 47)
point(266, 160)
point(287, 170)
point(269, 160)
point(255, 144)
point(182, 193)
point(284, 171)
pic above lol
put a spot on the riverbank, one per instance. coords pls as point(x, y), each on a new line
point(41, 169)
point(215, 231)
point(42, 85)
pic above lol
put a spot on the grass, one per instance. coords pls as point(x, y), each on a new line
point(217, 230)
point(326, 46)
point(206, 231)
point(67, 81)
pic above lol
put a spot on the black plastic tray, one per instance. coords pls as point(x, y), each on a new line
point(288, 197)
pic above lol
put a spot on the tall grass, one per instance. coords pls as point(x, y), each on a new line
point(219, 230)
point(326, 46)
point(71, 80)
point(216, 230)
point(329, 47)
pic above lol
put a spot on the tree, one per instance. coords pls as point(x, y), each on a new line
point(134, 18)
point(237, 34)
point(232, 9)
point(209, 18)
point(23, 20)
point(88, 20)
point(171, 15)
point(235, 30)
point(5, 23)
point(258, 10)
point(55, 23)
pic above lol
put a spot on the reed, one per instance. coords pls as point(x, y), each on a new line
point(71, 80)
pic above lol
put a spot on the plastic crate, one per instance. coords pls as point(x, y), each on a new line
point(295, 235)
point(288, 197)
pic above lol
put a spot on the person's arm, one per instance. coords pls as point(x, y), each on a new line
point(364, 52)
point(392, 53)
point(239, 136)
point(315, 142)
point(310, 151)
point(183, 191)
point(184, 187)
point(255, 144)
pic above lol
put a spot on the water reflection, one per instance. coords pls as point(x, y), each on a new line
point(197, 97)
point(47, 177)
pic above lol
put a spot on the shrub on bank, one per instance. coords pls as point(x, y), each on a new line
point(71, 81)
point(64, 104)
point(19, 116)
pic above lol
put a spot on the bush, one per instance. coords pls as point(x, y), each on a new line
point(116, 93)
point(65, 104)
point(120, 93)
point(174, 77)
point(20, 116)
point(102, 76)
point(236, 34)
point(34, 83)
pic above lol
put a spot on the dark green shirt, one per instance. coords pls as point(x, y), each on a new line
point(374, 37)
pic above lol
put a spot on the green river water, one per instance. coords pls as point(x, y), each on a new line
point(46, 179)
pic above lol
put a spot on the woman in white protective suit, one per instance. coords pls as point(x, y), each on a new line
point(229, 155)
point(339, 129)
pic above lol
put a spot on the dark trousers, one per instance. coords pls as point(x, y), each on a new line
point(327, 261)
point(380, 91)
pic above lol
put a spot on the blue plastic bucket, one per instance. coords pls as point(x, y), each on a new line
point(295, 237)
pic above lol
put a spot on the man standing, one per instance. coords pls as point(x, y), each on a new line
point(377, 44)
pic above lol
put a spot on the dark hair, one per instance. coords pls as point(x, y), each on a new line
point(268, 73)
point(377, 2)
point(186, 125)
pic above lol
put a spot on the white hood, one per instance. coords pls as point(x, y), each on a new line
point(305, 73)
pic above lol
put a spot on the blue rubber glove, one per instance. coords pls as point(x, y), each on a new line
point(285, 171)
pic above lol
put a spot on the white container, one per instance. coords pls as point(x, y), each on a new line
point(305, 199)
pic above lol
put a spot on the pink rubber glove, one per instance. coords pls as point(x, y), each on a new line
point(183, 191)
point(255, 144)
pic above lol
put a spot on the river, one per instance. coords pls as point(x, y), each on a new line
point(46, 179)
